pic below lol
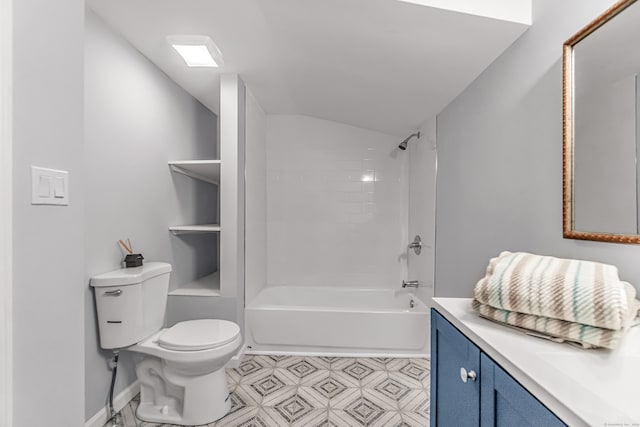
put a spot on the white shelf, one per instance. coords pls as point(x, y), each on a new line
point(193, 229)
point(204, 170)
point(207, 286)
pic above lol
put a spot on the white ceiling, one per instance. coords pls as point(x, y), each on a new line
point(385, 65)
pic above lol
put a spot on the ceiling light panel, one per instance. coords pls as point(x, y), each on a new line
point(197, 51)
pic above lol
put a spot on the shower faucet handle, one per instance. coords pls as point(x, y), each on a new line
point(416, 245)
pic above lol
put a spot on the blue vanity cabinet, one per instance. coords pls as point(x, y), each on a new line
point(455, 399)
point(504, 402)
point(470, 389)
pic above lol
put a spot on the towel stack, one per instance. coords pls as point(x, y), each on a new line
point(565, 299)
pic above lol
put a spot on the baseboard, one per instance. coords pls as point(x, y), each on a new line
point(119, 402)
point(237, 359)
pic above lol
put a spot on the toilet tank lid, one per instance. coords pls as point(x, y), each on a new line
point(130, 276)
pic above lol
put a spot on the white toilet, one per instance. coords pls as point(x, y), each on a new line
point(182, 378)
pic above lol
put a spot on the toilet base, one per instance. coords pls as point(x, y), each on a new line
point(167, 396)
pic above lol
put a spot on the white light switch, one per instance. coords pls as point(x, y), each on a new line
point(44, 187)
point(49, 186)
point(58, 187)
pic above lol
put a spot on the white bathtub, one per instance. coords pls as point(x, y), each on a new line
point(337, 321)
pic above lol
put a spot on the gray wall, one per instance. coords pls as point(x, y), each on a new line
point(48, 258)
point(137, 119)
point(499, 184)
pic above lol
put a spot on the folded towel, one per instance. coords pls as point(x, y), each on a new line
point(585, 335)
point(584, 292)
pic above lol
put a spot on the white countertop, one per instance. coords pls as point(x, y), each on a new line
point(582, 387)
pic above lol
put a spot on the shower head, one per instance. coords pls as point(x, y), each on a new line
point(403, 144)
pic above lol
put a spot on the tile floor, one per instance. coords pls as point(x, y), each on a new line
point(322, 391)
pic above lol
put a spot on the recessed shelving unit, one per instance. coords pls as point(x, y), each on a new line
point(194, 229)
point(207, 286)
point(204, 170)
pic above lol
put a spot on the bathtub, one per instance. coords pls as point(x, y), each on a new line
point(337, 322)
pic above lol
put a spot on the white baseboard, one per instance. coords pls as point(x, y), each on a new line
point(119, 402)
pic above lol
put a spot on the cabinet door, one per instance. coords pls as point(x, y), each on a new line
point(455, 399)
point(506, 403)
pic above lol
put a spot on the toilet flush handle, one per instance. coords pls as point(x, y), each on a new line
point(115, 293)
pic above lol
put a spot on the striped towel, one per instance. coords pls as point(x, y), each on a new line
point(558, 330)
point(583, 292)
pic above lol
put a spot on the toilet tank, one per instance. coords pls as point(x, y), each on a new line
point(131, 303)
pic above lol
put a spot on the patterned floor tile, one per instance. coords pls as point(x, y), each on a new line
point(385, 402)
point(395, 364)
point(358, 370)
point(267, 360)
point(314, 418)
point(414, 419)
point(346, 398)
point(378, 364)
point(320, 362)
point(314, 378)
point(408, 381)
point(344, 378)
point(294, 408)
point(274, 391)
point(415, 371)
point(242, 416)
point(342, 362)
point(329, 359)
point(318, 398)
point(374, 379)
point(393, 389)
point(414, 401)
point(329, 387)
point(279, 395)
point(302, 368)
point(339, 418)
point(388, 418)
point(364, 411)
point(246, 395)
point(289, 377)
point(256, 376)
point(269, 417)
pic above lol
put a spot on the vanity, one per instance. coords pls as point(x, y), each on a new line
point(487, 374)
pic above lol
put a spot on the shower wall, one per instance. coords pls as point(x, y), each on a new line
point(336, 205)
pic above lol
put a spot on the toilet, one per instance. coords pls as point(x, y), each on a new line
point(182, 377)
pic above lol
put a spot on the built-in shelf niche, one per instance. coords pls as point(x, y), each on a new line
point(207, 286)
point(207, 171)
point(204, 170)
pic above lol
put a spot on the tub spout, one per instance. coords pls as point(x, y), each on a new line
point(410, 284)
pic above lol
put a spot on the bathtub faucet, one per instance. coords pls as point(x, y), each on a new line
point(410, 284)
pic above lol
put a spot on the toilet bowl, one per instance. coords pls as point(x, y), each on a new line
point(182, 378)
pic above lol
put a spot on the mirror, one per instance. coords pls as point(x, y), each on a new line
point(601, 90)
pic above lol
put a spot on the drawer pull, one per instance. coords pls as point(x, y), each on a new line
point(115, 293)
point(467, 375)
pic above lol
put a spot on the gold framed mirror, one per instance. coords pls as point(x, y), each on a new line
point(601, 128)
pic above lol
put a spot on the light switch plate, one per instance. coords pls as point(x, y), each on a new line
point(49, 186)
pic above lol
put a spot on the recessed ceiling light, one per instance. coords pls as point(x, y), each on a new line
point(197, 51)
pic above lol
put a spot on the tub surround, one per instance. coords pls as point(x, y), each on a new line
point(582, 387)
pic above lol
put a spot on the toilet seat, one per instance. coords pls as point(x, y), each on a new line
point(202, 334)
